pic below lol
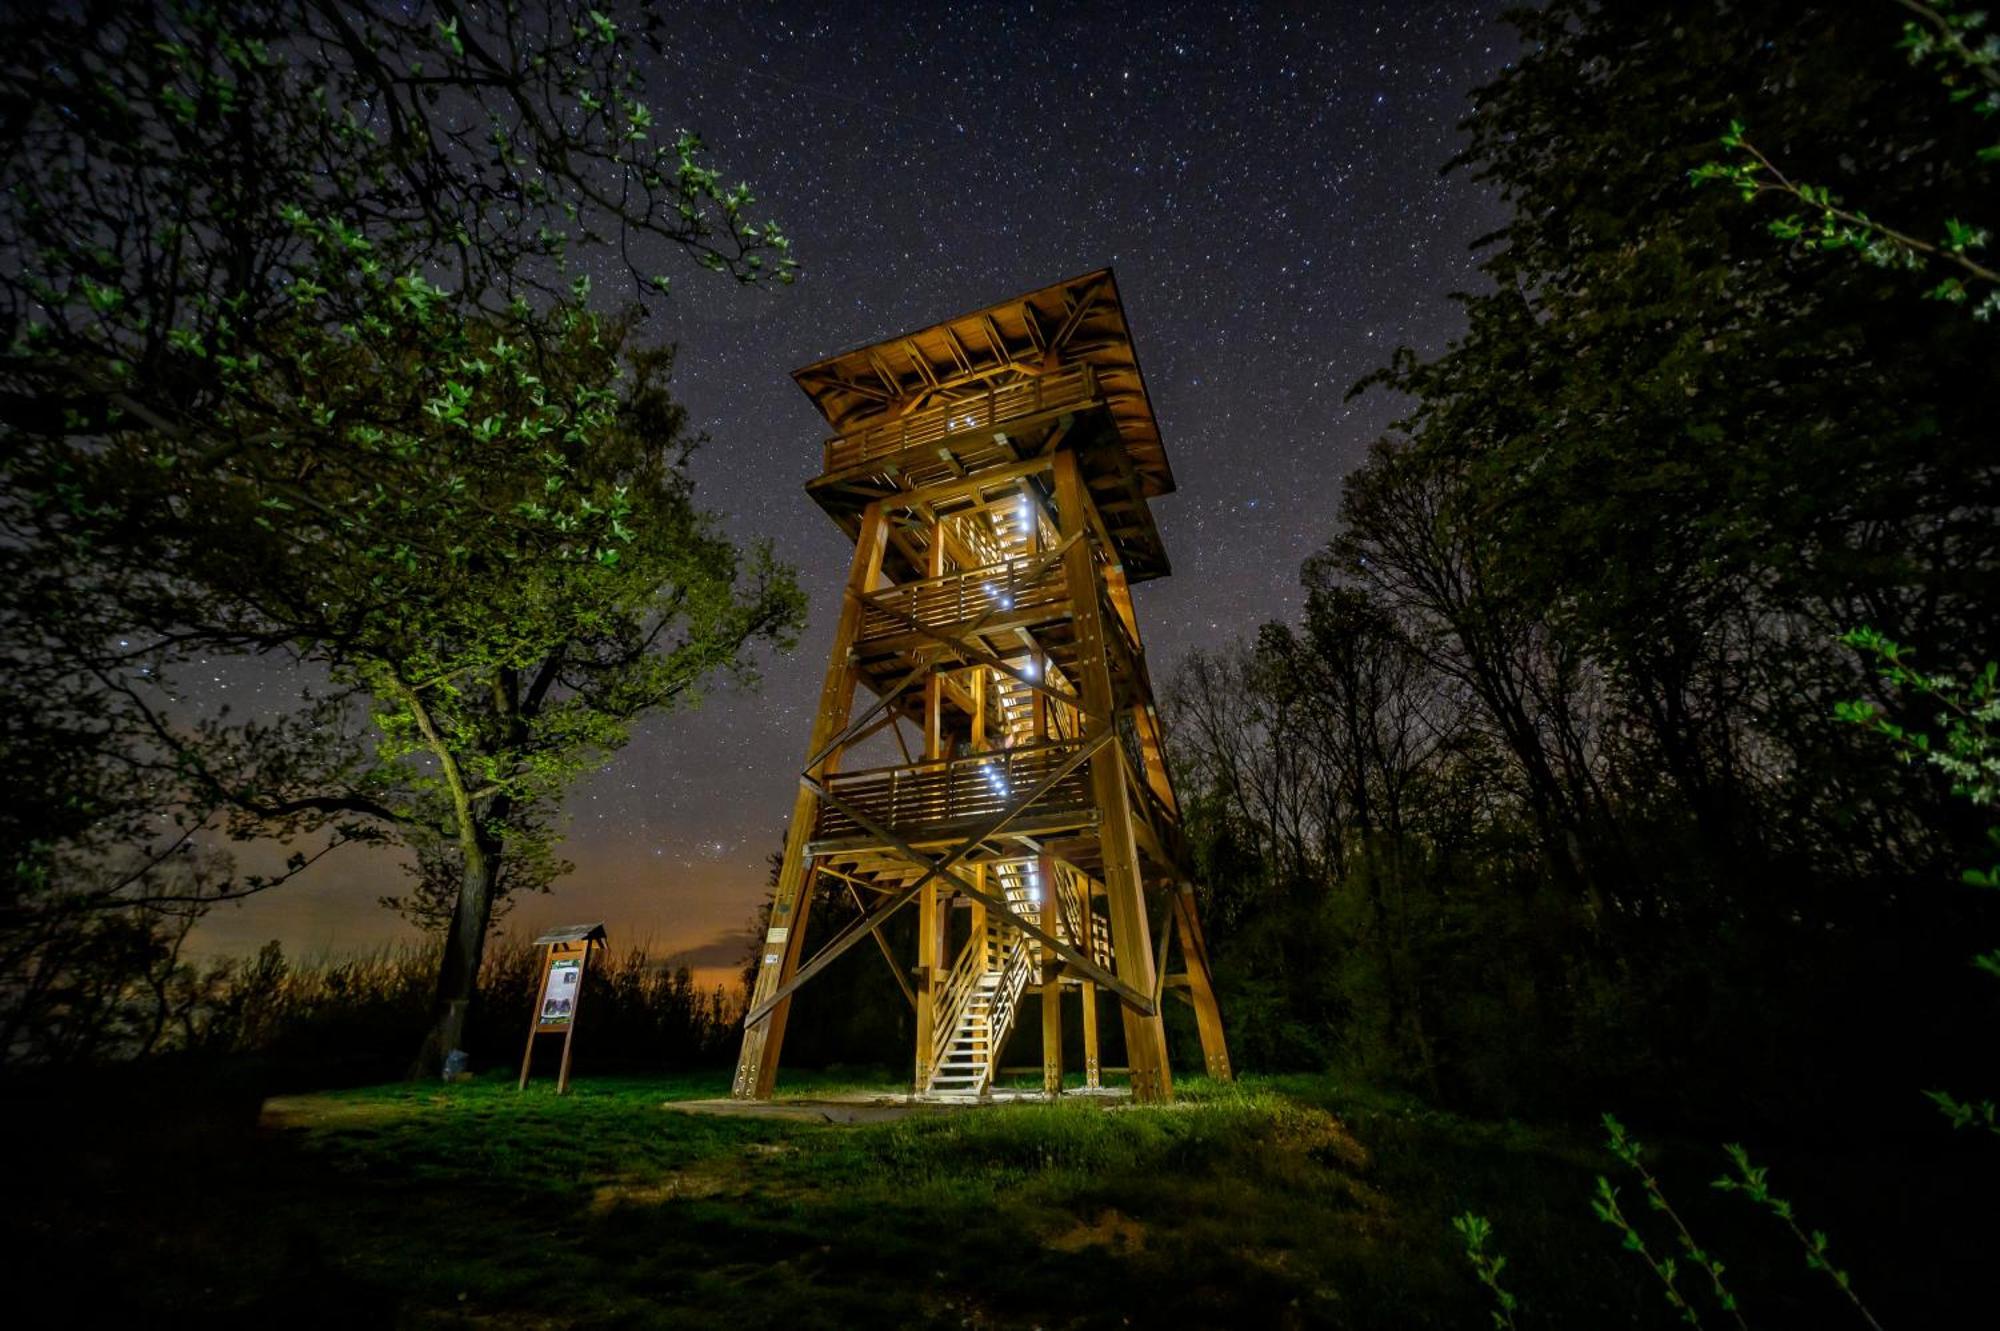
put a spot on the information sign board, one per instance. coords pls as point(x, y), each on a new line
point(560, 993)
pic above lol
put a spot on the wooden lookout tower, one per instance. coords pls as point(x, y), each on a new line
point(995, 471)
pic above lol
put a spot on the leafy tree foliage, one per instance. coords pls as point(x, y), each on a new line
point(295, 361)
point(509, 635)
point(1955, 42)
point(1588, 601)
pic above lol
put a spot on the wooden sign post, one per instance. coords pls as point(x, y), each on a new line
point(563, 965)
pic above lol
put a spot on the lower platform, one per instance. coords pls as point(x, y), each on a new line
point(866, 1107)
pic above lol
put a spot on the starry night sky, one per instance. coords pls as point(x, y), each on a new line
point(1264, 178)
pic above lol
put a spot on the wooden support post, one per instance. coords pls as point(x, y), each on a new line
point(569, 1036)
point(929, 973)
point(1092, 1075)
point(976, 912)
point(1093, 1062)
point(1131, 940)
point(1051, 977)
point(1201, 986)
point(930, 925)
point(791, 903)
point(978, 691)
point(534, 1025)
point(977, 687)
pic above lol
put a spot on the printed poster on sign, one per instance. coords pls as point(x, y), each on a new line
point(559, 999)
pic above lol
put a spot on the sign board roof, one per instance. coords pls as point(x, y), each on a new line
point(574, 933)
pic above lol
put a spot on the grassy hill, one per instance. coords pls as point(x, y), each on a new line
point(1278, 1202)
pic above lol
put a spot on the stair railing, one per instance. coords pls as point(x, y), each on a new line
point(1019, 965)
point(1070, 906)
point(958, 987)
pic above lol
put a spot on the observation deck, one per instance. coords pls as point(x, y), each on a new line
point(1016, 404)
point(954, 414)
point(945, 799)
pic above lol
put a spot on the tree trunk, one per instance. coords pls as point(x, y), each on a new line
point(464, 946)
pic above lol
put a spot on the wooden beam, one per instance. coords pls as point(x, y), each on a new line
point(811, 791)
point(890, 379)
point(1051, 978)
point(1032, 322)
point(1085, 302)
point(1201, 986)
point(832, 380)
point(1145, 1035)
point(957, 349)
point(988, 477)
point(888, 955)
point(920, 361)
point(791, 900)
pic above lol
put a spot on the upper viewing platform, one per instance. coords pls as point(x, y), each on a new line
point(939, 413)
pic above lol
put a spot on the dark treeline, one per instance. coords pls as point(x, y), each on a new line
point(1541, 806)
point(286, 1023)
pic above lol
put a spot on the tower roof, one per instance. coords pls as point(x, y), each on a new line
point(1075, 322)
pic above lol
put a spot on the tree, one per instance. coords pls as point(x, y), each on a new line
point(496, 542)
point(207, 213)
point(1621, 526)
point(1947, 38)
point(529, 865)
point(1694, 460)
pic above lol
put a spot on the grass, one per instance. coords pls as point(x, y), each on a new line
point(1276, 1202)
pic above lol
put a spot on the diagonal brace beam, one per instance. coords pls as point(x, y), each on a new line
point(998, 902)
point(981, 657)
point(941, 867)
point(848, 735)
point(902, 981)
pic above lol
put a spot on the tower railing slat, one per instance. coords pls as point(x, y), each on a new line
point(985, 411)
point(939, 603)
point(911, 797)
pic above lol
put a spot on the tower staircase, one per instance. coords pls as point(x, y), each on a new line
point(985, 986)
point(982, 994)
